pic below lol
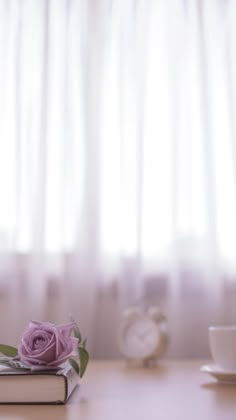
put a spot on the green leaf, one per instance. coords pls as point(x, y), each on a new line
point(77, 333)
point(75, 365)
point(8, 350)
point(76, 330)
point(84, 358)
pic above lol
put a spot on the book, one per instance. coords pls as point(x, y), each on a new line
point(37, 387)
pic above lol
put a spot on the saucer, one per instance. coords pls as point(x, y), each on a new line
point(219, 373)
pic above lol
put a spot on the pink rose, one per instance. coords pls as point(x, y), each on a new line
point(46, 344)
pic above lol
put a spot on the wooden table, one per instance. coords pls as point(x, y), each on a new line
point(111, 391)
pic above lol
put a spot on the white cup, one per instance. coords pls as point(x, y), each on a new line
point(222, 342)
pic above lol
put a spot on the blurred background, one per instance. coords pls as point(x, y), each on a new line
point(118, 166)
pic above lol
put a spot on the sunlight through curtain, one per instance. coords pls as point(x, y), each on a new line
point(117, 164)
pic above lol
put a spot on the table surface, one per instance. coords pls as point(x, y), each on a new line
point(111, 390)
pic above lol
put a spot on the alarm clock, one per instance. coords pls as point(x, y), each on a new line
point(142, 336)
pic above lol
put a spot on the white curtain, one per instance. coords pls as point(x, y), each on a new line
point(117, 165)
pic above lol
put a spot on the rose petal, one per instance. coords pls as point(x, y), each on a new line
point(66, 329)
point(45, 356)
point(47, 344)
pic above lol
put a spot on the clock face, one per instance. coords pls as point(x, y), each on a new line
point(139, 338)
